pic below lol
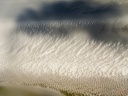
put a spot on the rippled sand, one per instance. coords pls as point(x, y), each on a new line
point(73, 64)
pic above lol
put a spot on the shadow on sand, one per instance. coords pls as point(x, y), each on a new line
point(61, 17)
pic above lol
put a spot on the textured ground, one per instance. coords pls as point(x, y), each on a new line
point(79, 49)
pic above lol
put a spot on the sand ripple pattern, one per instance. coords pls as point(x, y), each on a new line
point(75, 64)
